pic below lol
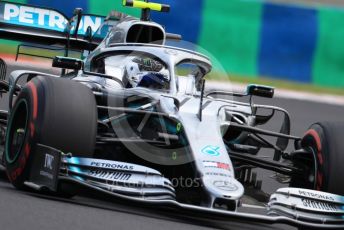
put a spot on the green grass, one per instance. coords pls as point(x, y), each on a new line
point(279, 84)
point(10, 47)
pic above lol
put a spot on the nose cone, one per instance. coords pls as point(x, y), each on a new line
point(224, 187)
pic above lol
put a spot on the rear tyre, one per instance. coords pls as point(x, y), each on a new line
point(56, 112)
point(326, 140)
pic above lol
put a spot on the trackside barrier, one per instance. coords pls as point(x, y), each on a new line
point(250, 38)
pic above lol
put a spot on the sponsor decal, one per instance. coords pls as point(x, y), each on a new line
point(217, 174)
point(112, 166)
point(48, 162)
point(225, 185)
point(322, 206)
point(211, 150)
point(46, 174)
point(48, 166)
point(46, 19)
point(213, 164)
point(315, 195)
point(107, 175)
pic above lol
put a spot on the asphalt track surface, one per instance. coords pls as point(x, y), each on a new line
point(24, 210)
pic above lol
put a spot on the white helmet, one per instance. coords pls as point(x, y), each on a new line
point(133, 73)
point(138, 67)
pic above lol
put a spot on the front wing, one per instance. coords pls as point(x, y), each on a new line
point(292, 206)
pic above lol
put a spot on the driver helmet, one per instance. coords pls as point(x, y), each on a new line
point(138, 67)
point(132, 73)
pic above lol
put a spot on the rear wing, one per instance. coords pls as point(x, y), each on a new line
point(27, 23)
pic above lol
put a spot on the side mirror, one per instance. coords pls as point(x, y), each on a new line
point(67, 63)
point(260, 91)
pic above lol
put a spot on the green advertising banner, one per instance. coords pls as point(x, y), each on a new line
point(328, 66)
point(230, 32)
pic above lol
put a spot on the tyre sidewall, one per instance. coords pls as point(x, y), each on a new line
point(324, 139)
point(18, 171)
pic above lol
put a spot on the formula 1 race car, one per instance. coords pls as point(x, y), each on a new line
point(132, 121)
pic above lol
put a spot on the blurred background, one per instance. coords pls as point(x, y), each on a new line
point(296, 44)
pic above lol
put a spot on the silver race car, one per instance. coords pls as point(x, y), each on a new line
point(133, 121)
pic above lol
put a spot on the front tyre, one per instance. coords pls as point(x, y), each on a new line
point(56, 112)
point(325, 139)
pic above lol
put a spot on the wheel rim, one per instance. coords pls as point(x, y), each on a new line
point(308, 163)
point(314, 169)
point(17, 132)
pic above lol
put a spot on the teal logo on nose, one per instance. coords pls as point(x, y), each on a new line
point(211, 150)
